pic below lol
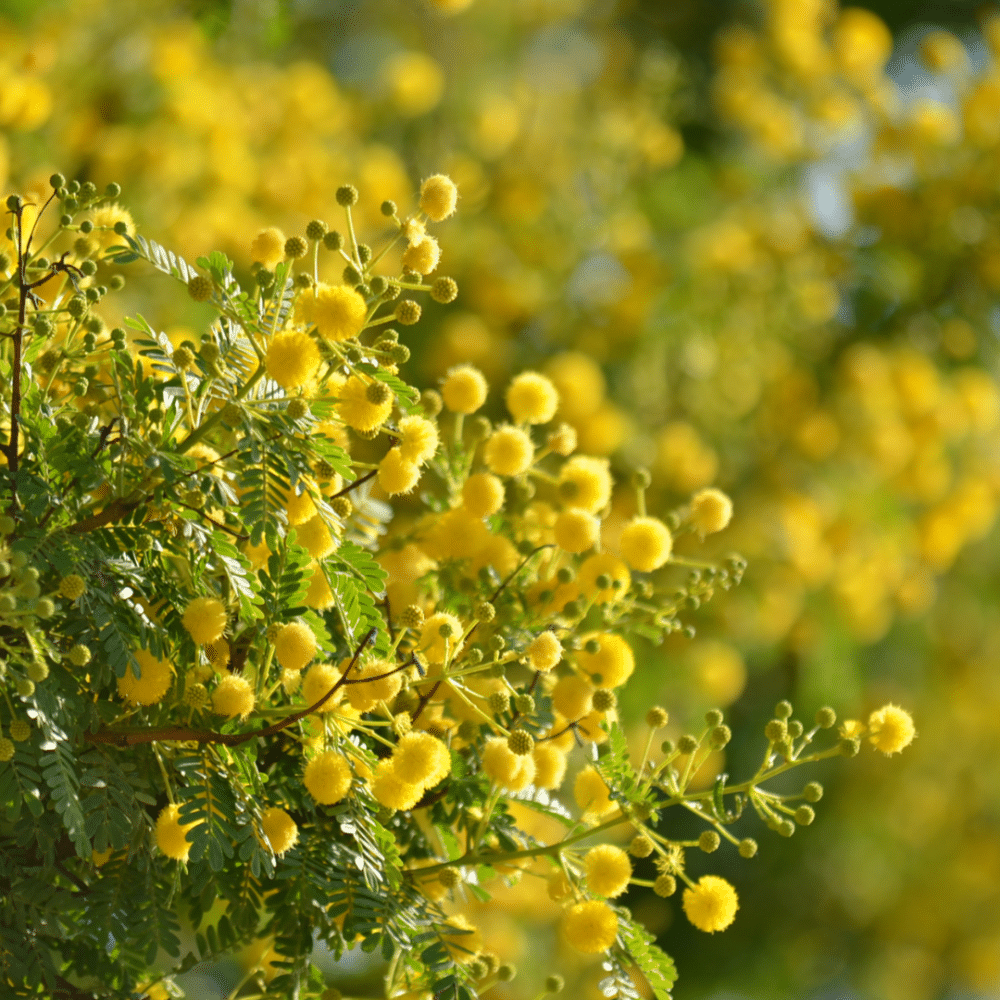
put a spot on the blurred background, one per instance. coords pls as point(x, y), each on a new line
point(756, 244)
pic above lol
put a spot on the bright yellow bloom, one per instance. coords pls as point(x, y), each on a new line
point(891, 729)
point(318, 681)
point(646, 543)
point(590, 927)
point(356, 408)
point(280, 829)
point(337, 311)
point(608, 870)
point(316, 537)
point(418, 439)
point(234, 696)
point(157, 676)
point(422, 256)
point(421, 759)
point(613, 662)
point(438, 197)
point(391, 790)
point(576, 530)
point(268, 247)
point(292, 359)
point(432, 643)
point(369, 693)
point(586, 482)
point(508, 451)
point(482, 494)
point(171, 834)
point(711, 510)
point(544, 651)
point(396, 474)
point(712, 904)
point(327, 777)
point(464, 389)
point(532, 398)
point(295, 645)
point(205, 619)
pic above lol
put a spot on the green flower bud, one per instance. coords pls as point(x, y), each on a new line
point(388, 209)
point(407, 312)
point(720, 736)
point(499, 702)
point(748, 847)
point(709, 841)
point(444, 290)
point(333, 240)
point(200, 288)
point(776, 730)
point(714, 717)
point(665, 885)
point(554, 984)
point(783, 710)
point(79, 655)
point(687, 744)
point(813, 792)
point(604, 700)
point(826, 718)
point(347, 195)
point(804, 815)
point(38, 671)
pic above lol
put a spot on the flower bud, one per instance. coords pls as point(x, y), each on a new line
point(709, 841)
point(347, 195)
point(657, 718)
point(748, 847)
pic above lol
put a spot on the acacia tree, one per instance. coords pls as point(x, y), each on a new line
point(239, 710)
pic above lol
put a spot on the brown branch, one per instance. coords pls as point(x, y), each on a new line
point(117, 510)
point(124, 738)
point(355, 484)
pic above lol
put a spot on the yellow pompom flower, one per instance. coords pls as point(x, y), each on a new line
point(171, 834)
point(397, 475)
point(712, 904)
point(512, 772)
point(320, 679)
point(292, 359)
point(421, 759)
point(300, 507)
point(415, 82)
point(438, 197)
point(316, 537)
point(891, 729)
point(613, 662)
point(482, 494)
point(586, 482)
point(544, 651)
point(861, 42)
point(391, 791)
point(591, 793)
point(532, 398)
point(603, 564)
point(295, 645)
point(608, 870)
point(590, 927)
point(576, 530)
point(418, 439)
point(205, 619)
point(337, 311)
point(105, 218)
point(234, 696)
point(422, 256)
point(572, 696)
point(327, 777)
point(464, 389)
point(319, 595)
point(550, 765)
point(157, 676)
point(357, 410)
point(711, 510)
point(432, 643)
point(508, 451)
point(280, 829)
point(646, 543)
point(366, 695)
point(268, 247)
